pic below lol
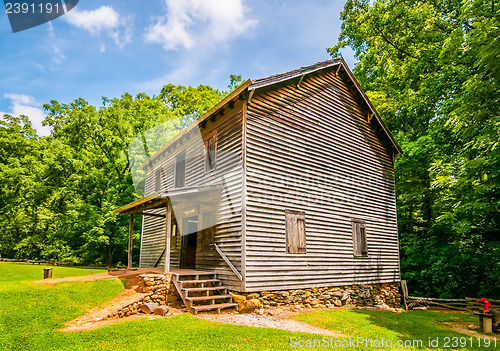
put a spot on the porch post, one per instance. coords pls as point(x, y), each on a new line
point(130, 240)
point(168, 234)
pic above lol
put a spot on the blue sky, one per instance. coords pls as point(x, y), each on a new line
point(108, 47)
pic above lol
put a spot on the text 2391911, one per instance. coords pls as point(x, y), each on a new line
point(25, 7)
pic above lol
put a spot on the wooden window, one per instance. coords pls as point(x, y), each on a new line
point(359, 238)
point(211, 152)
point(158, 180)
point(295, 228)
point(180, 170)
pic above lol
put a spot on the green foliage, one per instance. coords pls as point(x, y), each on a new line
point(58, 192)
point(432, 70)
point(235, 80)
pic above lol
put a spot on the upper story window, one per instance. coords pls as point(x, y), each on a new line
point(180, 170)
point(295, 229)
point(158, 180)
point(359, 238)
point(211, 152)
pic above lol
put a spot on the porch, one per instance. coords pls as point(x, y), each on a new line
point(183, 210)
point(190, 213)
point(198, 290)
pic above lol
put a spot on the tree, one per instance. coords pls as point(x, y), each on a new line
point(58, 192)
point(99, 140)
point(432, 70)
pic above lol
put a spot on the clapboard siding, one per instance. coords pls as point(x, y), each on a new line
point(312, 149)
point(229, 169)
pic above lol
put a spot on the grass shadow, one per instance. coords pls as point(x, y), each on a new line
point(417, 328)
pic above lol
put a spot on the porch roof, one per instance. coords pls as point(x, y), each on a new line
point(199, 195)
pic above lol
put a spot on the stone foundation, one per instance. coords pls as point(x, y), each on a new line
point(157, 288)
point(381, 296)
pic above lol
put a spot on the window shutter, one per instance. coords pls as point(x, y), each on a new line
point(158, 180)
point(363, 246)
point(207, 154)
point(301, 232)
point(359, 238)
point(355, 237)
point(295, 231)
point(180, 171)
point(211, 152)
point(288, 231)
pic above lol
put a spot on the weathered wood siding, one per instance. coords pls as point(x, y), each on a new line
point(311, 149)
point(229, 167)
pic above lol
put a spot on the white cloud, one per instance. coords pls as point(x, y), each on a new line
point(56, 55)
point(27, 105)
point(190, 23)
point(103, 19)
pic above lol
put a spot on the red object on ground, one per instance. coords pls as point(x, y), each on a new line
point(486, 304)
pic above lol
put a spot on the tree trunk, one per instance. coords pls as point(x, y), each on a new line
point(109, 255)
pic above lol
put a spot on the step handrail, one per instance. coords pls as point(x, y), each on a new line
point(178, 287)
point(229, 263)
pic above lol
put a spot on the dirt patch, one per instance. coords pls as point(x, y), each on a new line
point(97, 314)
point(467, 328)
point(129, 275)
point(83, 278)
point(103, 323)
point(282, 321)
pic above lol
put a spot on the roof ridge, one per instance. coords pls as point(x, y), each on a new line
point(295, 72)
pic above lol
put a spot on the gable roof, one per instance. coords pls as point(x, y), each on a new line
point(303, 71)
point(253, 85)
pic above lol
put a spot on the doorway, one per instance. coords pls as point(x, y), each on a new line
point(189, 242)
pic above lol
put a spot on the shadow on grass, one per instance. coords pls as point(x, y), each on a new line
point(415, 324)
point(419, 326)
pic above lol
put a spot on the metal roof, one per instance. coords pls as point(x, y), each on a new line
point(255, 84)
point(195, 195)
point(302, 71)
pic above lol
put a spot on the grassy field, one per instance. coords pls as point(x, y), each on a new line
point(32, 314)
point(12, 272)
point(411, 327)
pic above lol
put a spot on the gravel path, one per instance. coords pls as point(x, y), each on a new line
point(265, 321)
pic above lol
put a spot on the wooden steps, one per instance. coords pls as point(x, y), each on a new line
point(202, 291)
point(201, 281)
point(207, 298)
point(211, 288)
point(217, 307)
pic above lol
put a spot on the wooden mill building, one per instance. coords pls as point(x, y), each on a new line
point(286, 183)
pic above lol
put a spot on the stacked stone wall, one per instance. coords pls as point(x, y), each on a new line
point(156, 288)
point(380, 296)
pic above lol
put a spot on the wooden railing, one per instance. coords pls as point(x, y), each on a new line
point(178, 287)
point(228, 261)
point(467, 305)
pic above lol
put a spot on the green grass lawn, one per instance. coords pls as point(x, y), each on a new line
point(12, 272)
point(406, 327)
point(32, 314)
